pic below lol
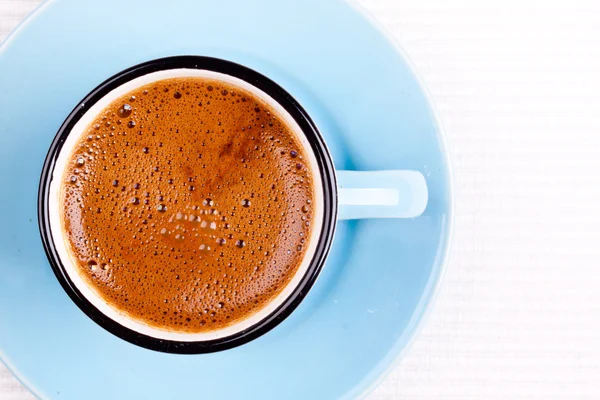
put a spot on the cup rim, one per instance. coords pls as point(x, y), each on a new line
point(324, 240)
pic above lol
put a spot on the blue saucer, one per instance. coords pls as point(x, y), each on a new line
point(373, 113)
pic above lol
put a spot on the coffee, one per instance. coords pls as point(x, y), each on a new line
point(187, 204)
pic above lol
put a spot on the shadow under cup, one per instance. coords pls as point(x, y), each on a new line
point(136, 332)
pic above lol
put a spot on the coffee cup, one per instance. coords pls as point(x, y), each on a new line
point(338, 195)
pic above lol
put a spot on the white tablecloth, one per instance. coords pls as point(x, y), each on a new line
point(517, 84)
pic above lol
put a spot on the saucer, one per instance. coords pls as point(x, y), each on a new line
point(381, 275)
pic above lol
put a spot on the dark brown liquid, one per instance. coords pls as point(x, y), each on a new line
point(187, 204)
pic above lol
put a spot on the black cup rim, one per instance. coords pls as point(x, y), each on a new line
point(326, 169)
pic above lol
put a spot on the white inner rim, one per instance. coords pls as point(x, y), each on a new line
point(67, 257)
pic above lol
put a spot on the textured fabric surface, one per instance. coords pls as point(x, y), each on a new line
point(517, 85)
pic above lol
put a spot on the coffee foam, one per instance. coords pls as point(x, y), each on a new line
point(179, 218)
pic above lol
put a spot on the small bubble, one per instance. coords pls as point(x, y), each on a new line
point(161, 208)
point(177, 95)
point(304, 209)
point(163, 231)
point(136, 185)
point(131, 124)
point(298, 166)
point(213, 225)
point(299, 248)
point(73, 179)
point(220, 304)
point(145, 150)
point(246, 203)
point(294, 154)
point(124, 111)
point(135, 201)
point(80, 161)
point(224, 92)
point(208, 202)
point(221, 241)
point(240, 243)
point(209, 88)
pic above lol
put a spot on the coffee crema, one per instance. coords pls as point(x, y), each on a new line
point(187, 204)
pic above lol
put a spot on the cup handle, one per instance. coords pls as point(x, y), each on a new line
point(381, 194)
